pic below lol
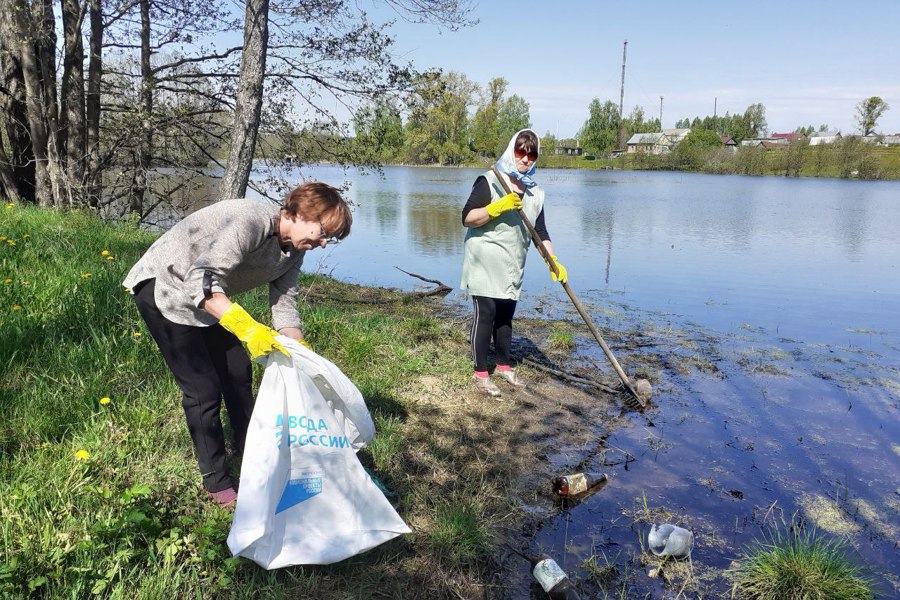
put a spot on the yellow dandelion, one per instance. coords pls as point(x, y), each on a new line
point(137, 334)
point(82, 455)
point(26, 236)
point(17, 307)
point(10, 204)
point(85, 275)
point(104, 253)
point(26, 283)
point(11, 242)
point(110, 258)
point(7, 280)
point(105, 400)
point(2, 238)
point(127, 290)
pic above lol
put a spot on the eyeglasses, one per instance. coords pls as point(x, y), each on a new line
point(532, 156)
point(323, 235)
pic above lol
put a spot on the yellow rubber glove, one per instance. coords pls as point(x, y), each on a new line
point(563, 276)
point(305, 343)
point(506, 203)
point(260, 339)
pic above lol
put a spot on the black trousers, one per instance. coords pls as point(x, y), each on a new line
point(493, 319)
point(209, 364)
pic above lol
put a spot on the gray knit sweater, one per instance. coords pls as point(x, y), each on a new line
point(233, 243)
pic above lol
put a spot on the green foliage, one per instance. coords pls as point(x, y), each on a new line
point(755, 120)
point(513, 116)
point(379, 131)
point(856, 158)
point(702, 139)
point(437, 130)
point(750, 124)
point(788, 565)
point(694, 149)
point(868, 112)
point(485, 131)
point(598, 134)
point(549, 143)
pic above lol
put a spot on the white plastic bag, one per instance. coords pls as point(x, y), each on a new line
point(304, 497)
point(344, 399)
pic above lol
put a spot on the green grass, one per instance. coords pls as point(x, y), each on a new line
point(794, 565)
point(561, 340)
point(459, 534)
point(104, 499)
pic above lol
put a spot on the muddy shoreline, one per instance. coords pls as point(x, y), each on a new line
point(556, 426)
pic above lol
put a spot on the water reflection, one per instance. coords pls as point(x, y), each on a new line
point(435, 224)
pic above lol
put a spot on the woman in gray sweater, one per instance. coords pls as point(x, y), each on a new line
point(182, 286)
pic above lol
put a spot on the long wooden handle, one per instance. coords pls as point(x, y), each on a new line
point(578, 306)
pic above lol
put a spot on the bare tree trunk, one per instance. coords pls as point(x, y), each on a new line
point(44, 25)
point(72, 96)
point(145, 149)
point(92, 117)
point(33, 29)
point(33, 101)
point(18, 165)
point(248, 103)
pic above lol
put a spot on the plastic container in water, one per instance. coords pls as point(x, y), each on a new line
point(670, 540)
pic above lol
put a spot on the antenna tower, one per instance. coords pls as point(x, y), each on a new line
point(621, 97)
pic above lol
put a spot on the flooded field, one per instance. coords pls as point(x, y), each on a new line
point(745, 433)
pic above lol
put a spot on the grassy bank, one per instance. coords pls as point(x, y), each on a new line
point(99, 490)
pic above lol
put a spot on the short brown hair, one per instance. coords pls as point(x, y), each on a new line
point(527, 141)
point(317, 201)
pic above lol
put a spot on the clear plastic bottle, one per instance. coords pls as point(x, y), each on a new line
point(577, 483)
point(552, 578)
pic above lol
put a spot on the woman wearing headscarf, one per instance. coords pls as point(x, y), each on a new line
point(496, 245)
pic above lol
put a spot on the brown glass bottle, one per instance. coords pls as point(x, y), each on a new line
point(577, 483)
point(552, 578)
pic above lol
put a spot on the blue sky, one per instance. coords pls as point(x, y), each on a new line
point(809, 62)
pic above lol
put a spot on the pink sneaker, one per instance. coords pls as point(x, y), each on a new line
point(486, 386)
point(226, 498)
point(510, 376)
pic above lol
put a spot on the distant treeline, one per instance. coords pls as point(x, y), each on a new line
point(848, 158)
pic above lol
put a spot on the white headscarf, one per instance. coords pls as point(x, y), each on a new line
point(507, 162)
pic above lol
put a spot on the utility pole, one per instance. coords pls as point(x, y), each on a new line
point(660, 113)
point(621, 98)
point(715, 105)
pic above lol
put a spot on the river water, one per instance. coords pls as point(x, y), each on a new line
point(783, 295)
